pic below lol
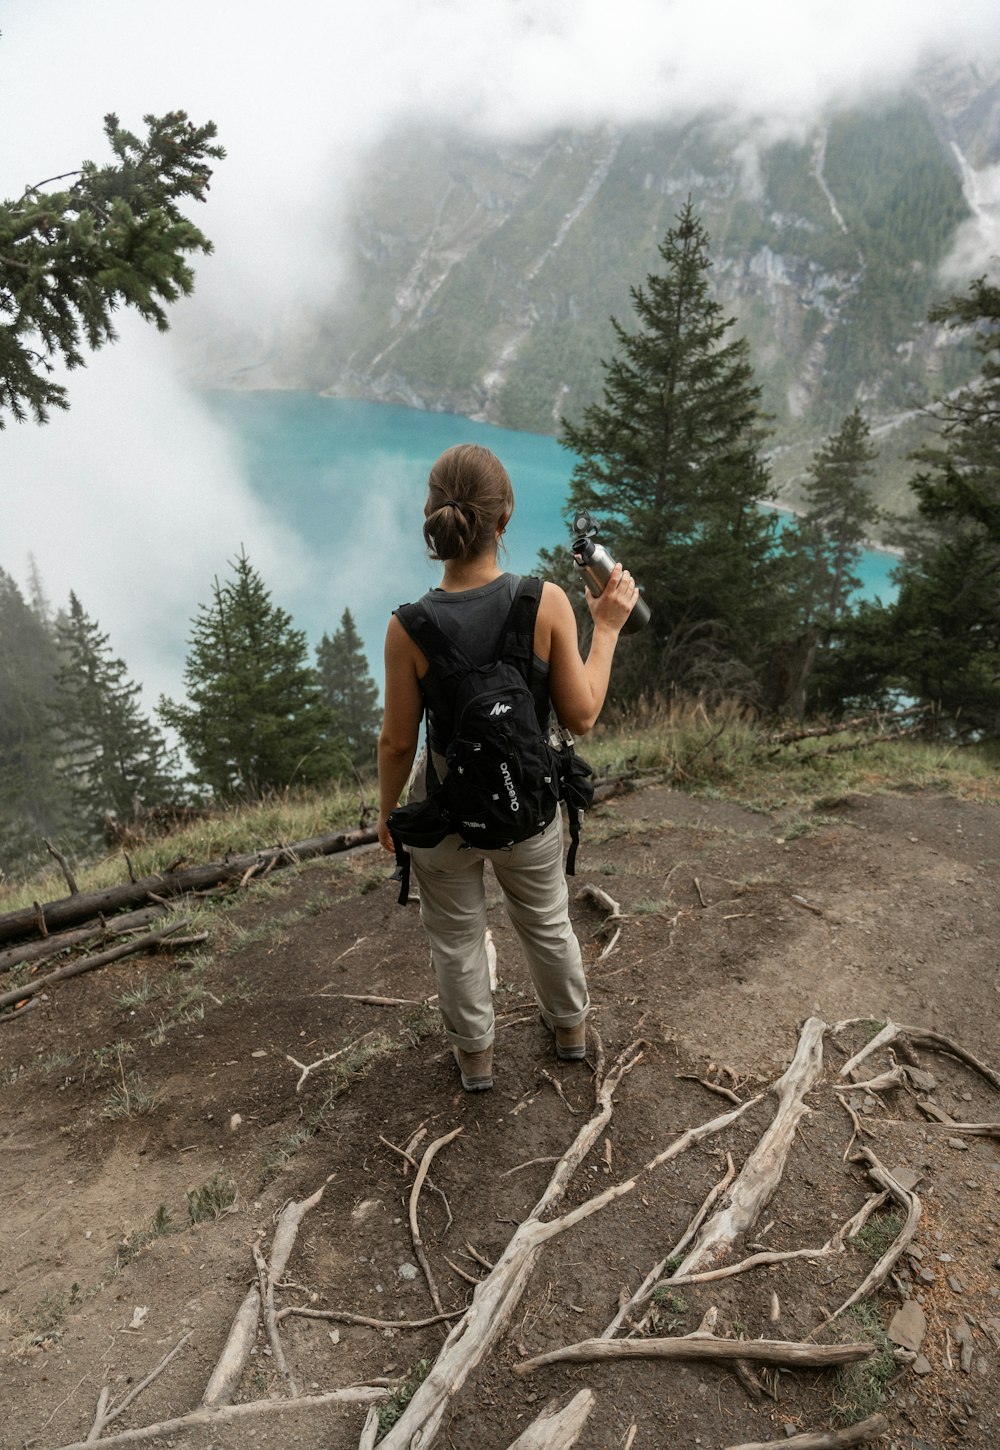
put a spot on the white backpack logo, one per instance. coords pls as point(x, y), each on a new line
point(500, 709)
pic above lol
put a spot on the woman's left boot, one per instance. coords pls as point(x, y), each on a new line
point(476, 1069)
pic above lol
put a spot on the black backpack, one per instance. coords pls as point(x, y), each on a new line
point(505, 778)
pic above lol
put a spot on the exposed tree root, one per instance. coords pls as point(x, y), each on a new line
point(863, 1433)
point(690, 1347)
point(762, 1171)
point(227, 1414)
point(556, 1429)
point(909, 1200)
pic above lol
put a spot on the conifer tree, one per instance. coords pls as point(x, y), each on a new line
point(115, 759)
point(840, 516)
point(670, 461)
point(114, 237)
point(255, 720)
point(939, 642)
point(34, 799)
point(348, 688)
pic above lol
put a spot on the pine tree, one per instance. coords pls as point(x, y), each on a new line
point(939, 642)
point(115, 759)
point(34, 799)
point(115, 237)
point(255, 720)
point(670, 460)
point(839, 518)
point(348, 689)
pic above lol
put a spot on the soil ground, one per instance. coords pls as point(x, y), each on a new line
point(140, 1093)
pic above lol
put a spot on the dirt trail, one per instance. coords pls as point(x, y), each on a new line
point(121, 1093)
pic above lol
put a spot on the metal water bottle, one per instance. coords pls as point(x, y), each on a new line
point(596, 564)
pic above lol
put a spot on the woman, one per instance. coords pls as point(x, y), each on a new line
point(469, 504)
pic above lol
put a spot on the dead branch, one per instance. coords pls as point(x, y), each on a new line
point(859, 1127)
point(923, 1037)
point(379, 1001)
point(418, 1244)
point(971, 1130)
point(609, 948)
point(895, 1077)
point(329, 1057)
point(762, 1171)
point(556, 1429)
point(88, 964)
point(861, 1433)
point(340, 1316)
point(786, 1353)
point(63, 866)
point(227, 1414)
point(559, 1090)
point(611, 906)
point(18, 1013)
point(713, 1087)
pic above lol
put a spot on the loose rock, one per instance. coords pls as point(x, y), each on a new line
point(909, 1325)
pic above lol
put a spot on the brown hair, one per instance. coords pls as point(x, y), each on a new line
point(469, 498)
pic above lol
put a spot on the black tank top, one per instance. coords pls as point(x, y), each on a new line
point(473, 619)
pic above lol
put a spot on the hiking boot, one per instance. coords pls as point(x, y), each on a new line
point(476, 1069)
point(571, 1042)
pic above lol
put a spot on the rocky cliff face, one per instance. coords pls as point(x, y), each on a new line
point(482, 276)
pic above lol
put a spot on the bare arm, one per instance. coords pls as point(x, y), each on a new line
point(578, 687)
point(397, 743)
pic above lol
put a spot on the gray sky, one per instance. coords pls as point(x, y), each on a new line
point(135, 498)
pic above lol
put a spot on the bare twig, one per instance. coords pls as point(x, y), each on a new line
point(611, 906)
point(341, 1316)
point(137, 1390)
point(418, 1246)
point(713, 1087)
point(880, 1273)
point(559, 1090)
point(63, 866)
point(329, 1057)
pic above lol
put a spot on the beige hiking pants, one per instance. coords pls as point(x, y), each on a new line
point(453, 911)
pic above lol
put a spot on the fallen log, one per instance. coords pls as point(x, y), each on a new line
point(72, 910)
point(88, 964)
point(51, 946)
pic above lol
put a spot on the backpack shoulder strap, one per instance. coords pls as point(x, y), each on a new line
point(516, 641)
point(442, 654)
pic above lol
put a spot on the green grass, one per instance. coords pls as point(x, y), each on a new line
point(211, 1200)
point(878, 1234)
point(391, 1409)
point(858, 1389)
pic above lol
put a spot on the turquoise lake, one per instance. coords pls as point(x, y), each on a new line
point(348, 479)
